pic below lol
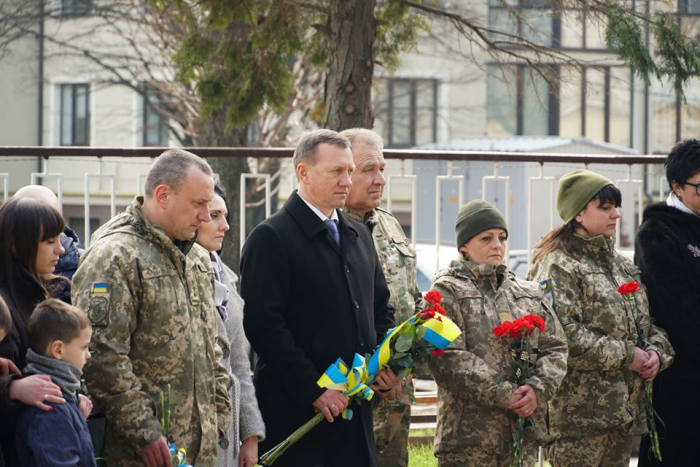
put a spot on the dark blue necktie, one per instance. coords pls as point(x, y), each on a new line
point(333, 227)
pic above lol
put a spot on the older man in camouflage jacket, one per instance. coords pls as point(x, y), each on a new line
point(398, 259)
point(148, 291)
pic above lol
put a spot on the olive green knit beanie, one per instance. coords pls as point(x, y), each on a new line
point(576, 189)
point(475, 217)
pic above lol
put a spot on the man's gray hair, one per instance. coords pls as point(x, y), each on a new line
point(364, 137)
point(309, 141)
point(170, 168)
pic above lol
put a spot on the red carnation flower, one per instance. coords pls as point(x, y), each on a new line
point(628, 288)
point(500, 330)
point(433, 297)
point(426, 314)
point(536, 320)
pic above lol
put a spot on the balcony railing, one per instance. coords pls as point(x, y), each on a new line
point(425, 188)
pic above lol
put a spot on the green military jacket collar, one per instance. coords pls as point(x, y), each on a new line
point(154, 232)
point(600, 247)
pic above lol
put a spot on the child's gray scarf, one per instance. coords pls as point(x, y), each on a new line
point(64, 374)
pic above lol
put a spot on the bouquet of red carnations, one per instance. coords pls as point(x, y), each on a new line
point(518, 332)
point(627, 290)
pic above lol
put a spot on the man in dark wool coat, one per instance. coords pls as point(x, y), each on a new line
point(314, 291)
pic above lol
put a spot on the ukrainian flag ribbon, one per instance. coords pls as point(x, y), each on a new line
point(179, 456)
point(351, 381)
point(440, 331)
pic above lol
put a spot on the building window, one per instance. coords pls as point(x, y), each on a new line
point(75, 115)
point(531, 20)
point(689, 7)
point(72, 7)
point(155, 130)
point(520, 103)
point(673, 119)
point(536, 22)
point(596, 103)
point(405, 111)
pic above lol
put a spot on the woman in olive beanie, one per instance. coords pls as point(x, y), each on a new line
point(613, 347)
point(478, 403)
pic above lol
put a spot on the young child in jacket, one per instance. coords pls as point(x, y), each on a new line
point(59, 336)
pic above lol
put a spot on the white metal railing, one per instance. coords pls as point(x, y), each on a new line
point(530, 181)
point(403, 187)
point(438, 205)
point(389, 199)
point(112, 197)
point(46, 174)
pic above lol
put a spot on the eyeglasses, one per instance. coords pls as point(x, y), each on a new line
point(696, 185)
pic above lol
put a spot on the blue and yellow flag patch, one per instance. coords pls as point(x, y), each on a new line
point(99, 287)
point(548, 292)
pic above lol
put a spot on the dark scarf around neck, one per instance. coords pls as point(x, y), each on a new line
point(64, 374)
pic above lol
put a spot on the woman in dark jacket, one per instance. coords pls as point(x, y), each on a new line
point(667, 250)
point(29, 251)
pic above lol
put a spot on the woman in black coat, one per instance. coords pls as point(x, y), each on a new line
point(29, 251)
point(667, 250)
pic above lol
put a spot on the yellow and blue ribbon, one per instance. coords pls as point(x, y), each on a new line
point(350, 381)
point(353, 381)
point(438, 332)
point(179, 456)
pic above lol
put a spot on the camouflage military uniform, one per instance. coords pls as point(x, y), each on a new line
point(151, 304)
point(599, 394)
point(475, 374)
point(392, 419)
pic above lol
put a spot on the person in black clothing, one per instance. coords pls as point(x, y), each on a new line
point(59, 336)
point(29, 250)
point(667, 250)
point(314, 291)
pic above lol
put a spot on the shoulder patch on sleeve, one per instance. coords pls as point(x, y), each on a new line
point(548, 292)
point(98, 304)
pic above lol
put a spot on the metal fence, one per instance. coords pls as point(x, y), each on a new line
point(425, 187)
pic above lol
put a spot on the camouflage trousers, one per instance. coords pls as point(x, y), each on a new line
point(391, 424)
point(612, 449)
point(480, 457)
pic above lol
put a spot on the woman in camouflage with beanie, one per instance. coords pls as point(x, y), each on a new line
point(478, 402)
point(599, 407)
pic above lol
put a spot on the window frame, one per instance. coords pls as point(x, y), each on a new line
point(414, 83)
point(74, 9)
point(148, 109)
point(73, 97)
point(554, 103)
point(556, 33)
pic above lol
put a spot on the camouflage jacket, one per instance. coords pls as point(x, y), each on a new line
point(151, 304)
point(398, 260)
point(475, 374)
point(599, 393)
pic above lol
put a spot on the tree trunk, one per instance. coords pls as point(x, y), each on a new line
point(212, 133)
point(351, 63)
